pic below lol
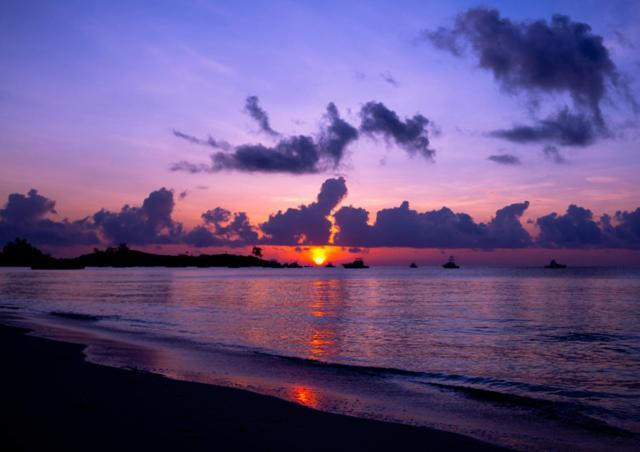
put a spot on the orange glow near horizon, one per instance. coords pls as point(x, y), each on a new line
point(318, 255)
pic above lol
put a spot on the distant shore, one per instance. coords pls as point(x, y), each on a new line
point(52, 399)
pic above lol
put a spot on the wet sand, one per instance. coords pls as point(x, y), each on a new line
point(52, 399)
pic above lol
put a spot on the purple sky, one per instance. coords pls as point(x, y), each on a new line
point(92, 92)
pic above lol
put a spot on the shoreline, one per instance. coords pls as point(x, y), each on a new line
point(52, 398)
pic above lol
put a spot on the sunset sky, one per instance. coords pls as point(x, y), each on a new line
point(441, 104)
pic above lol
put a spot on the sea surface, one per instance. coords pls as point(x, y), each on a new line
point(527, 358)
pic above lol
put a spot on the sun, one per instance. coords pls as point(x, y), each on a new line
point(318, 255)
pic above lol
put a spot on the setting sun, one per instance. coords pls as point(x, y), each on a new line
point(319, 256)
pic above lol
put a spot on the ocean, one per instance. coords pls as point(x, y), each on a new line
point(527, 358)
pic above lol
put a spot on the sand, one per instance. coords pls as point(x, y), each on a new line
point(52, 399)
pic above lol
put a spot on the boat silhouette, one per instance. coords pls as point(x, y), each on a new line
point(554, 264)
point(413, 265)
point(357, 263)
point(451, 263)
point(329, 265)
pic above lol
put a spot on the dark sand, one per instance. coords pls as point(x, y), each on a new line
point(52, 399)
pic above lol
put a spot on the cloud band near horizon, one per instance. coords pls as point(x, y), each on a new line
point(151, 223)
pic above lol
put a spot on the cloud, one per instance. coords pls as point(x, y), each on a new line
point(574, 229)
point(553, 154)
point(208, 142)
point(27, 209)
point(299, 154)
point(556, 56)
point(565, 128)
point(24, 216)
point(560, 56)
point(307, 224)
point(505, 159)
point(222, 228)
point(150, 223)
point(405, 227)
point(254, 110)
point(625, 233)
point(390, 79)
point(411, 134)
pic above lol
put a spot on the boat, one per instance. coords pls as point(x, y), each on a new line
point(357, 263)
point(451, 263)
point(293, 265)
point(554, 264)
point(329, 265)
point(413, 265)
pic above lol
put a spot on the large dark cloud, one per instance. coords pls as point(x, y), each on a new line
point(306, 225)
point(24, 216)
point(405, 227)
point(410, 134)
point(299, 154)
point(150, 223)
point(252, 107)
point(554, 57)
point(564, 128)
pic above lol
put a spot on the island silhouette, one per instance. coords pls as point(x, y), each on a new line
point(20, 253)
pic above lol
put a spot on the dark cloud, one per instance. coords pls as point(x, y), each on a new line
point(564, 128)
point(390, 79)
point(336, 135)
point(411, 134)
point(405, 227)
point(560, 56)
point(556, 56)
point(222, 228)
point(306, 225)
point(24, 216)
point(575, 229)
point(27, 209)
point(505, 159)
point(554, 154)
point(254, 110)
point(505, 229)
point(625, 233)
point(150, 223)
point(298, 154)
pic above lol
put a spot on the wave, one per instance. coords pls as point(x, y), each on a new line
point(562, 411)
point(81, 316)
point(514, 394)
point(464, 379)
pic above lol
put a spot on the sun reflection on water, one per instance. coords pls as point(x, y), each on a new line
point(305, 396)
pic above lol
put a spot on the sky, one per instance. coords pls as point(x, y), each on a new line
point(252, 107)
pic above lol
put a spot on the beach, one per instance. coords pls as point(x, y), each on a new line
point(52, 399)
